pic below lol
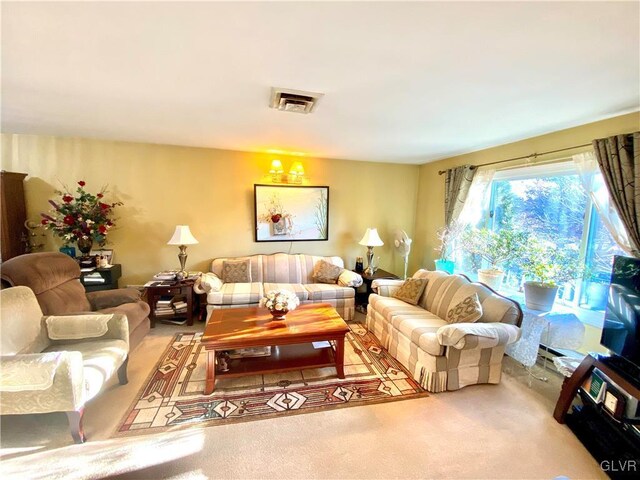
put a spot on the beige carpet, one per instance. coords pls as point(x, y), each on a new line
point(487, 431)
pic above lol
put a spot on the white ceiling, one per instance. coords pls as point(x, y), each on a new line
point(403, 82)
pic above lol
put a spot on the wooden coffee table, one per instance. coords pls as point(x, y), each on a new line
point(290, 340)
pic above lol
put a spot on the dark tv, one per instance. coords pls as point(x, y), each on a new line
point(621, 331)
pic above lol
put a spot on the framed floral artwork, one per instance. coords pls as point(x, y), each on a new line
point(291, 213)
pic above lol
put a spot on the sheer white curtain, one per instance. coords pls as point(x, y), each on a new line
point(477, 199)
point(593, 183)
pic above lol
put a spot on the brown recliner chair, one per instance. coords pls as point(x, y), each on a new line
point(55, 279)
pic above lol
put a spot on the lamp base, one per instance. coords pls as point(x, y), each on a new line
point(182, 256)
point(370, 270)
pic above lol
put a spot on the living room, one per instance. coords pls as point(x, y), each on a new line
point(170, 111)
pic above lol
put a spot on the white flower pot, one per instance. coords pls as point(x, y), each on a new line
point(491, 277)
point(539, 296)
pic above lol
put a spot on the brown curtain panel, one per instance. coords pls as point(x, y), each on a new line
point(456, 189)
point(619, 161)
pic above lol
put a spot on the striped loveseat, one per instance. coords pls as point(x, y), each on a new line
point(280, 271)
point(439, 355)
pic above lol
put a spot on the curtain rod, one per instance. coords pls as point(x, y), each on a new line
point(533, 155)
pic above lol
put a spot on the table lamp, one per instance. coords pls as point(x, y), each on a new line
point(370, 240)
point(182, 237)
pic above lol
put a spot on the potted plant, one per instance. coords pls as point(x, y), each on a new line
point(447, 236)
point(81, 217)
point(497, 248)
point(549, 266)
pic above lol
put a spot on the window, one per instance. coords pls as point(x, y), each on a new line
point(550, 202)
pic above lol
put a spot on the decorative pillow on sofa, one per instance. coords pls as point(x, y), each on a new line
point(411, 290)
point(468, 310)
point(236, 271)
point(325, 272)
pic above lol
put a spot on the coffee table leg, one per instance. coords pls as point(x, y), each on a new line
point(340, 357)
point(211, 372)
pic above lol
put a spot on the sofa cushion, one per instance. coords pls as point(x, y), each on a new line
point(296, 288)
point(421, 330)
point(254, 260)
point(468, 310)
point(236, 271)
point(236, 294)
point(411, 290)
point(324, 291)
point(281, 268)
point(389, 306)
point(308, 262)
point(325, 272)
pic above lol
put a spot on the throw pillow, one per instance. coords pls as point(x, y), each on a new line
point(468, 310)
point(325, 272)
point(411, 290)
point(237, 271)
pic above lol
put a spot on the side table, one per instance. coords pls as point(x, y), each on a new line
point(110, 276)
point(183, 289)
point(362, 298)
point(545, 330)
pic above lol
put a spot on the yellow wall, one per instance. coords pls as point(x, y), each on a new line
point(430, 211)
point(211, 191)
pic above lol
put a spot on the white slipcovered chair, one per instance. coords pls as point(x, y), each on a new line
point(56, 363)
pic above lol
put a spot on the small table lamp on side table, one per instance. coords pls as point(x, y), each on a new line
point(182, 237)
point(371, 239)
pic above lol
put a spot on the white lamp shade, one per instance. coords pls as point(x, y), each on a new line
point(182, 236)
point(371, 238)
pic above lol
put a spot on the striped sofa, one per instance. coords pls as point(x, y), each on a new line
point(439, 355)
point(280, 271)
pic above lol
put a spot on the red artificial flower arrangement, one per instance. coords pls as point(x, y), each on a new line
point(80, 216)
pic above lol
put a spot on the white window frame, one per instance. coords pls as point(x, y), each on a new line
point(555, 169)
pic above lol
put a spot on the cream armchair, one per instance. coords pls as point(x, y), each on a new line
point(56, 363)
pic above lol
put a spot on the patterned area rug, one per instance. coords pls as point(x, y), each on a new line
point(173, 394)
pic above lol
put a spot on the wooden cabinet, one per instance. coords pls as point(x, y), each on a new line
point(13, 215)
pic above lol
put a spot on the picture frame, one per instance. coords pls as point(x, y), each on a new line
point(108, 253)
point(291, 213)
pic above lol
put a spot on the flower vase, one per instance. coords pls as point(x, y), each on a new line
point(278, 314)
point(84, 245)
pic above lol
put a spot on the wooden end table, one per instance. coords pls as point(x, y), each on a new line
point(183, 289)
point(290, 340)
point(362, 298)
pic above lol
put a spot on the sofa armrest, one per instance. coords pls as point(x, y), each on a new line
point(208, 282)
point(466, 336)
point(386, 287)
point(112, 298)
point(87, 327)
point(349, 279)
point(23, 376)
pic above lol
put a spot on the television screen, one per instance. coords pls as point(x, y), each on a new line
point(621, 331)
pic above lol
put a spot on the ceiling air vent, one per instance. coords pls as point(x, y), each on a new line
point(295, 101)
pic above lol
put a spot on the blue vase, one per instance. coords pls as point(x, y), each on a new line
point(71, 251)
point(445, 265)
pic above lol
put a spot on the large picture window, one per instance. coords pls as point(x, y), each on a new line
point(550, 203)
